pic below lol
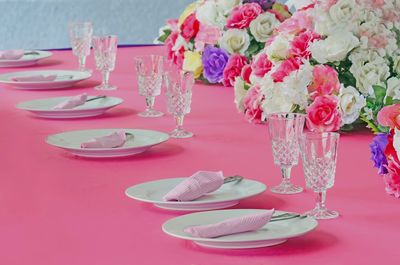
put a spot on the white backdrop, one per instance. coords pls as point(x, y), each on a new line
point(41, 24)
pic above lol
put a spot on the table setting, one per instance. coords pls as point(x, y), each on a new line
point(218, 146)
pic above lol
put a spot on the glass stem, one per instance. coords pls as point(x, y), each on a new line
point(150, 103)
point(286, 174)
point(106, 77)
point(179, 122)
point(82, 63)
point(320, 200)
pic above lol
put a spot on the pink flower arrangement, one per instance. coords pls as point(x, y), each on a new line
point(253, 111)
point(239, 29)
point(242, 16)
point(323, 114)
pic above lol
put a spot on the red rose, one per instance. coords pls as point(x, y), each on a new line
point(233, 69)
point(190, 27)
point(242, 16)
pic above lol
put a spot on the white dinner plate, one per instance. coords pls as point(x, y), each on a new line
point(45, 107)
point(227, 195)
point(271, 234)
point(26, 60)
point(65, 78)
point(142, 140)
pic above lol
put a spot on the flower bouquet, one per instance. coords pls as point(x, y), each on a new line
point(337, 61)
point(385, 148)
point(215, 38)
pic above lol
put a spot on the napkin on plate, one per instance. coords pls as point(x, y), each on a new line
point(72, 102)
point(35, 78)
point(116, 139)
point(11, 54)
point(231, 226)
point(197, 185)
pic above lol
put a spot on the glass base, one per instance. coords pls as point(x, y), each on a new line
point(286, 188)
point(90, 71)
point(322, 213)
point(180, 134)
point(151, 114)
point(105, 87)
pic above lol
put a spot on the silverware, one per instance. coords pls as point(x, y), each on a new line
point(232, 179)
point(288, 218)
point(99, 97)
point(64, 77)
point(31, 53)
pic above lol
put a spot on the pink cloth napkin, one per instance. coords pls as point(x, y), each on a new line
point(197, 185)
point(72, 102)
point(116, 139)
point(11, 54)
point(35, 78)
point(231, 226)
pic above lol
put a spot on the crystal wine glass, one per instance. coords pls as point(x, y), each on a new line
point(319, 153)
point(179, 98)
point(105, 53)
point(150, 71)
point(80, 34)
point(285, 130)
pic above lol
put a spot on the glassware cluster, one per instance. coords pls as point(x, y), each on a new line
point(80, 34)
point(105, 53)
point(318, 151)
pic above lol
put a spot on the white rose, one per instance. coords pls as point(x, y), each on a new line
point(263, 26)
point(370, 74)
point(275, 100)
point(350, 103)
point(393, 88)
point(235, 41)
point(278, 50)
point(334, 48)
point(240, 93)
point(396, 141)
point(226, 6)
point(208, 14)
point(343, 11)
point(396, 65)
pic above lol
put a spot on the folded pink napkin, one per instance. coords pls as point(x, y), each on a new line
point(116, 139)
point(11, 54)
point(35, 78)
point(72, 102)
point(197, 185)
point(231, 226)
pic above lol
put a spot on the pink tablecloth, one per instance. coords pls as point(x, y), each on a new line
point(60, 209)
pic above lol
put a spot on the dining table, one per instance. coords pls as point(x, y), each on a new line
point(60, 209)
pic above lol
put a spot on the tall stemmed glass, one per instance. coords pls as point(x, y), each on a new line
point(105, 53)
point(80, 34)
point(319, 152)
point(285, 130)
point(150, 71)
point(179, 98)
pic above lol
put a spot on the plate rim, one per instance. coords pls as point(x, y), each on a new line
point(10, 82)
point(188, 203)
point(105, 149)
point(221, 239)
point(64, 110)
point(45, 54)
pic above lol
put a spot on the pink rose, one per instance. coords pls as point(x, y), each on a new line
point(233, 69)
point(286, 67)
point(261, 66)
point(252, 104)
point(246, 72)
point(190, 27)
point(206, 35)
point(325, 81)
point(173, 24)
point(392, 178)
point(300, 21)
point(301, 43)
point(390, 116)
point(323, 114)
point(176, 57)
point(242, 16)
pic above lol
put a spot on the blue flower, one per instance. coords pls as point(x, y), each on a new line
point(378, 147)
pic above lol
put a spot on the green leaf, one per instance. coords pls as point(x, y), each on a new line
point(380, 93)
point(253, 48)
point(370, 124)
point(164, 36)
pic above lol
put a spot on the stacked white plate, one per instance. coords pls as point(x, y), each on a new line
point(27, 60)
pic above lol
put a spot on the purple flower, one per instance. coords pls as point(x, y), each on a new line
point(265, 4)
point(214, 61)
point(378, 147)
